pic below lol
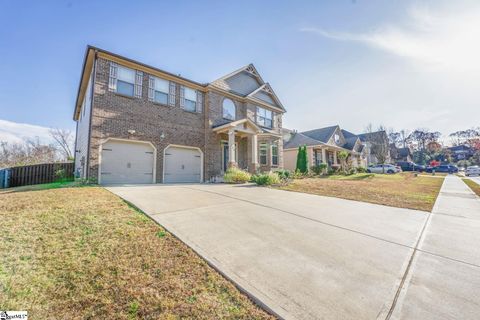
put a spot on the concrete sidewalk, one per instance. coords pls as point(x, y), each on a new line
point(443, 280)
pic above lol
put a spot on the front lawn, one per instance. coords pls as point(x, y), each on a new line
point(83, 253)
point(473, 185)
point(402, 190)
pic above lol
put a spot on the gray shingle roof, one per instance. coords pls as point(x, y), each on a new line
point(350, 142)
point(322, 134)
point(299, 139)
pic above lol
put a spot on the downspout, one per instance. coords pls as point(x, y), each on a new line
point(87, 175)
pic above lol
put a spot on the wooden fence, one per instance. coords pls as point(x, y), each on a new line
point(40, 173)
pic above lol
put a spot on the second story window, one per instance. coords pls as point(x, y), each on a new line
point(229, 110)
point(264, 117)
point(190, 100)
point(160, 90)
point(126, 81)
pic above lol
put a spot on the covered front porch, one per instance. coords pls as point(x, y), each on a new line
point(239, 145)
point(329, 155)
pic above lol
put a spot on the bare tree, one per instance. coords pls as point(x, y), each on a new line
point(404, 138)
point(469, 137)
point(378, 143)
point(64, 140)
point(422, 137)
point(28, 152)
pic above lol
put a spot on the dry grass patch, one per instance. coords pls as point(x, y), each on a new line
point(398, 190)
point(473, 185)
point(82, 253)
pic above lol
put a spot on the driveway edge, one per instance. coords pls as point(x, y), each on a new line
point(244, 291)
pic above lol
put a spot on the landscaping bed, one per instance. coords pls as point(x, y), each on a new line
point(83, 253)
point(404, 190)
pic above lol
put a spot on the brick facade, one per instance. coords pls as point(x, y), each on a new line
point(114, 115)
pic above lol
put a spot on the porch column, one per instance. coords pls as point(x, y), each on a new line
point(231, 148)
point(335, 157)
point(254, 153)
point(324, 156)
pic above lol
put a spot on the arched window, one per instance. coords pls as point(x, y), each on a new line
point(228, 109)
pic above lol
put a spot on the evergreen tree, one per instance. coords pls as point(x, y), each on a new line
point(299, 159)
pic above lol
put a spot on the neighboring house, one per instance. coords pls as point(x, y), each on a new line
point(400, 154)
point(140, 124)
point(323, 146)
point(461, 152)
point(376, 142)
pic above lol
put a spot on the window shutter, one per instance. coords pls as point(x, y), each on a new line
point(112, 80)
point(182, 96)
point(199, 102)
point(151, 88)
point(274, 120)
point(171, 94)
point(138, 83)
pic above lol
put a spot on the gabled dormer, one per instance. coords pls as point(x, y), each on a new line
point(247, 83)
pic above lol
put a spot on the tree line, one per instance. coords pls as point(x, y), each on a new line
point(33, 151)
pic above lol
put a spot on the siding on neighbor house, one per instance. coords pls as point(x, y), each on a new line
point(83, 133)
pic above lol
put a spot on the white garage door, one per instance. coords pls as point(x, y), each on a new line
point(182, 165)
point(126, 162)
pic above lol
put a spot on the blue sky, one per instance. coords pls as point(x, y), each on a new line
point(330, 62)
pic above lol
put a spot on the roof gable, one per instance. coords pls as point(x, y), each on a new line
point(242, 81)
point(267, 95)
point(322, 134)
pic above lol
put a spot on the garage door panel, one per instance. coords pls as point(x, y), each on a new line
point(182, 165)
point(125, 162)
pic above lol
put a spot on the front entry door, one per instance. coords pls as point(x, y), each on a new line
point(225, 157)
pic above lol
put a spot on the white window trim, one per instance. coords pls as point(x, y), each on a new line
point(275, 144)
point(234, 110)
point(260, 153)
point(257, 116)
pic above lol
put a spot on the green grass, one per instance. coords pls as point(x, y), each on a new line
point(44, 186)
point(472, 185)
point(83, 253)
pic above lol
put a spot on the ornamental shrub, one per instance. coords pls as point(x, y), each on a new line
point(266, 179)
point(235, 175)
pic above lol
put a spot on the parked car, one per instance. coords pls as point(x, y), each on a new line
point(384, 168)
point(472, 171)
point(410, 166)
point(447, 168)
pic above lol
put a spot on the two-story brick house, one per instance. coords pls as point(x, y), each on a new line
point(140, 124)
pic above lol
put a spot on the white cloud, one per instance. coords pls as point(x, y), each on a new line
point(433, 83)
point(445, 38)
point(14, 132)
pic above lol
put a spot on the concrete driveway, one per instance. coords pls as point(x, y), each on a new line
point(310, 257)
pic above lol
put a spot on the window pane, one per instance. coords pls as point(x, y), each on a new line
point(161, 97)
point(190, 94)
point(126, 74)
point(268, 123)
point(268, 114)
point(161, 85)
point(125, 88)
point(190, 105)
point(228, 109)
point(263, 153)
point(274, 154)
